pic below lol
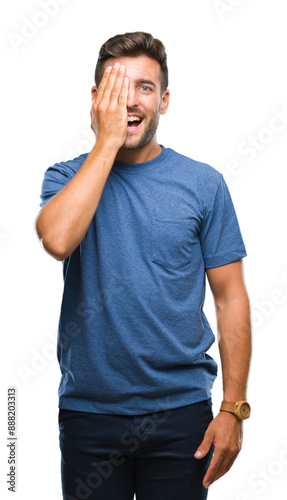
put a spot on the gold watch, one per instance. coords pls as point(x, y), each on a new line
point(241, 409)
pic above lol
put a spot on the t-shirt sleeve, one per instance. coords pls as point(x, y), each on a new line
point(221, 239)
point(55, 179)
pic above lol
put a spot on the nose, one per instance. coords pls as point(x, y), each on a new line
point(132, 99)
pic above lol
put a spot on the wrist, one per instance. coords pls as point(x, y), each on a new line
point(104, 150)
point(228, 416)
point(234, 392)
point(241, 409)
point(234, 396)
point(108, 145)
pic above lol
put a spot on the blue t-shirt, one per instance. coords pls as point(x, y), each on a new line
point(133, 337)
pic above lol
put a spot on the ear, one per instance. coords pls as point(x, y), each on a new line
point(94, 126)
point(164, 102)
point(94, 92)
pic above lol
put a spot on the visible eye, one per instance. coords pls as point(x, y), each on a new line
point(144, 88)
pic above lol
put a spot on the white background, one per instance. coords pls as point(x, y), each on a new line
point(228, 81)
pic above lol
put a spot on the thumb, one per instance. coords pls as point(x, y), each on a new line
point(205, 445)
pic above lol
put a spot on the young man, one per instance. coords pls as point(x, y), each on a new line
point(138, 227)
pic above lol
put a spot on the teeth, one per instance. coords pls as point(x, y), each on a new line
point(133, 119)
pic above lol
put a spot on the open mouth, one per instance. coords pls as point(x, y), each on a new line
point(134, 122)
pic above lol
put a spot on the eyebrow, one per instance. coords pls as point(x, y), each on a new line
point(148, 82)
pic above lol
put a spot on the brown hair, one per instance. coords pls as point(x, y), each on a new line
point(133, 45)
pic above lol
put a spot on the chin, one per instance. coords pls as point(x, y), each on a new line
point(134, 144)
point(132, 147)
point(131, 144)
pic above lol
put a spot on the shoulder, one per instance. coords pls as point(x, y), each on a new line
point(66, 168)
point(197, 171)
point(58, 175)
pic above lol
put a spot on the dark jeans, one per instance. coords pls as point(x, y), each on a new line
point(113, 457)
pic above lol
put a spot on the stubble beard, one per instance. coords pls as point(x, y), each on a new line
point(147, 136)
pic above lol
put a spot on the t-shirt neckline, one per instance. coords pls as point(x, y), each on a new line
point(139, 167)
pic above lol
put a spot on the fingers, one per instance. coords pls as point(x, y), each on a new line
point(119, 79)
point(111, 85)
point(205, 445)
point(103, 83)
point(225, 432)
point(212, 471)
point(124, 93)
point(219, 465)
point(110, 107)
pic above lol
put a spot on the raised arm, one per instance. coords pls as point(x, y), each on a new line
point(234, 338)
point(63, 222)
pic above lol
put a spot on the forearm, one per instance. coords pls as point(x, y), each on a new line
point(225, 430)
point(234, 332)
point(64, 221)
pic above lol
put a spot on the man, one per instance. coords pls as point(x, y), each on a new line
point(138, 226)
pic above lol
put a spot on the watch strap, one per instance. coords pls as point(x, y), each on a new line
point(227, 406)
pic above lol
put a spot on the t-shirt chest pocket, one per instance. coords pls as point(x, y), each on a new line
point(171, 242)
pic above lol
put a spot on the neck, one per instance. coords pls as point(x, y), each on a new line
point(146, 153)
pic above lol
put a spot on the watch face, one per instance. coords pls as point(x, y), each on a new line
point(245, 410)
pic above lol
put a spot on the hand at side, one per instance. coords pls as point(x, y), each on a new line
point(225, 433)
